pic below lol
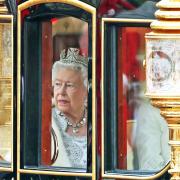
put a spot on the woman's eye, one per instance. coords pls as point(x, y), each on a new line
point(70, 85)
point(57, 84)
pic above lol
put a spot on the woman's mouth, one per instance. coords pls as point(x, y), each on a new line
point(63, 102)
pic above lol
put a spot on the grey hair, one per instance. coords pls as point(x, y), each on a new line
point(80, 68)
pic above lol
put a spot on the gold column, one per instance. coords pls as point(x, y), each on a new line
point(6, 83)
point(1, 49)
point(162, 86)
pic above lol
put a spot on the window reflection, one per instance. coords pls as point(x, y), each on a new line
point(146, 140)
point(135, 134)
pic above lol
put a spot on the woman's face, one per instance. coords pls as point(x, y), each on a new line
point(69, 91)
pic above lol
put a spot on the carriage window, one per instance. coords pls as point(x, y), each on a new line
point(56, 69)
point(135, 134)
point(6, 94)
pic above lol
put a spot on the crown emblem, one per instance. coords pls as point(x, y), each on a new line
point(71, 56)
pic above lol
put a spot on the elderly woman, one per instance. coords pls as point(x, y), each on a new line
point(69, 116)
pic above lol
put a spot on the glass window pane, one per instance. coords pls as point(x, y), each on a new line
point(136, 131)
point(9, 176)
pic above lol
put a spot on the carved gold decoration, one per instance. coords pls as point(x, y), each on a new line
point(3, 8)
point(168, 15)
point(5, 74)
point(166, 29)
point(6, 91)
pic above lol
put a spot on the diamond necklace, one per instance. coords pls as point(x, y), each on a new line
point(77, 126)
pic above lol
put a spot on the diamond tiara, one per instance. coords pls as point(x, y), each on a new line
point(71, 56)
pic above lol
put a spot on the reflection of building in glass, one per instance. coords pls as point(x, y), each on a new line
point(151, 139)
point(149, 134)
point(69, 32)
point(130, 63)
point(144, 124)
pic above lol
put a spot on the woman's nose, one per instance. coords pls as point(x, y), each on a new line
point(62, 90)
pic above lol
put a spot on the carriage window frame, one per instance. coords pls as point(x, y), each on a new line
point(8, 19)
point(117, 23)
point(52, 171)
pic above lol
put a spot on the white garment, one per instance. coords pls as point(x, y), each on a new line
point(72, 149)
point(152, 138)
